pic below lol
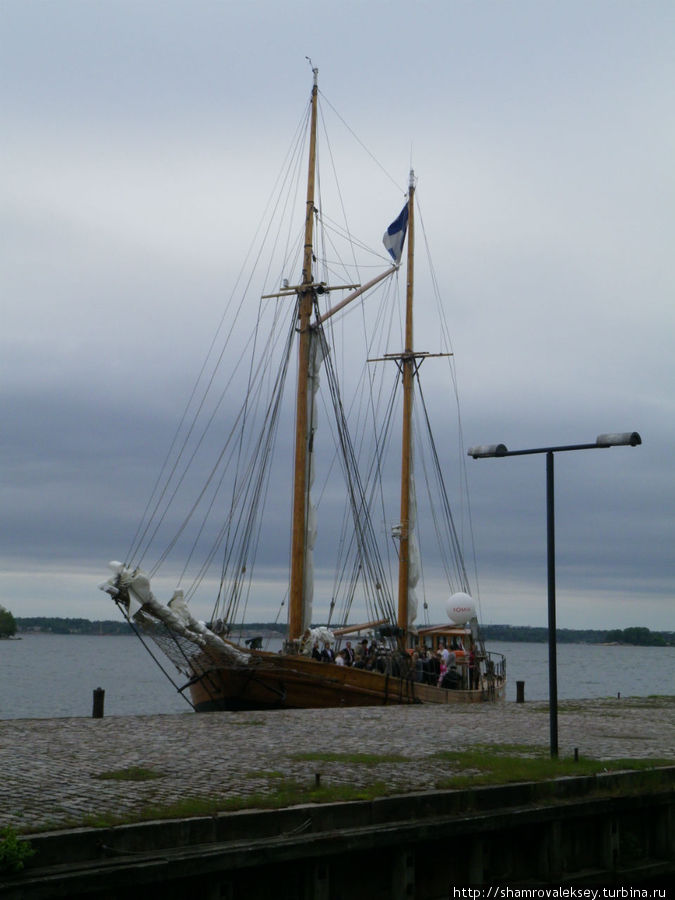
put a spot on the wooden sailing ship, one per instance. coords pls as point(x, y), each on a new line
point(404, 660)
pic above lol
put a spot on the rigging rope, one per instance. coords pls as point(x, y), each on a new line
point(443, 496)
point(271, 211)
point(240, 532)
point(366, 542)
point(447, 343)
point(361, 144)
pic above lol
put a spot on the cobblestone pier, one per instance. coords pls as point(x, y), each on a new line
point(50, 766)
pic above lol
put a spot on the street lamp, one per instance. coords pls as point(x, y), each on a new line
point(623, 439)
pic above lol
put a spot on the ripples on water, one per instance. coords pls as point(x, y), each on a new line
point(589, 670)
point(45, 676)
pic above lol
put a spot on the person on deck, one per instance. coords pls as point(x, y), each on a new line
point(361, 654)
point(445, 656)
point(443, 668)
point(474, 670)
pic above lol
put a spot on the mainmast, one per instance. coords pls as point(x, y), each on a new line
point(306, 296)
point(407, 362)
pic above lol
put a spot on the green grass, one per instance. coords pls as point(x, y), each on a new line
point(13, 852)
point(344, 793)
point(360, 759)
point(255, 776)
point(653, 701)
point(290, 793)
point(185, 808)
point(483, 764)
point(132, 773)
point(504, 764)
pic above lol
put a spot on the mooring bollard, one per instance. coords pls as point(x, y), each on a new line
point(99, 697)
point(520, 691)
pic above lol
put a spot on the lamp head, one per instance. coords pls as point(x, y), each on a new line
point(487, 450)
point(622, 439)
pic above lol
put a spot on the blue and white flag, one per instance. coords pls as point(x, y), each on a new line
point(394, 236)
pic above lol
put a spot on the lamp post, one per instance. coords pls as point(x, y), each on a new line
point(624, 439)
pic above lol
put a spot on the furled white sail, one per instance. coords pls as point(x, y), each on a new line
point(133, 589)
point(316, 357)
point(414, 562)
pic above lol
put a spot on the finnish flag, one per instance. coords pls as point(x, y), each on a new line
point(394, 236)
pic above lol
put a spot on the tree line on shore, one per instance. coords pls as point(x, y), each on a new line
point(7, 623)
point(639, 636)
point(57, 625)
point(9, 626)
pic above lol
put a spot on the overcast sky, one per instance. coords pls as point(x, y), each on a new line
point(542, 134)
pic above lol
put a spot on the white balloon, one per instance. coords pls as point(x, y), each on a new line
point(460, 608)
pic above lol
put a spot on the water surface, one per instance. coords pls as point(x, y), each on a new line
point(46, 676)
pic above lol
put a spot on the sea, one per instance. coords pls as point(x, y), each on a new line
point(44, 676)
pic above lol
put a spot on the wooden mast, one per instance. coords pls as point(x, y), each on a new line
point(306, 294)
point(408, 367)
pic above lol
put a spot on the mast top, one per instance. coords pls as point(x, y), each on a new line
point(411, 177)
point(315, 71)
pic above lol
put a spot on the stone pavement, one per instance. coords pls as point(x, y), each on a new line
point(48, 765)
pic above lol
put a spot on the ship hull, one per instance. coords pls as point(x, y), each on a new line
point(276, 681)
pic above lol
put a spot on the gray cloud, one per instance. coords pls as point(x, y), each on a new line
point(142, 142)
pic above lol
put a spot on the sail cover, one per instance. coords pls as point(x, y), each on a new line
point(413, 554)
point(316, 357)
point(132, 590)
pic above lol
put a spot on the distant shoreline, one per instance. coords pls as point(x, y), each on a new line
point(637, 636)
